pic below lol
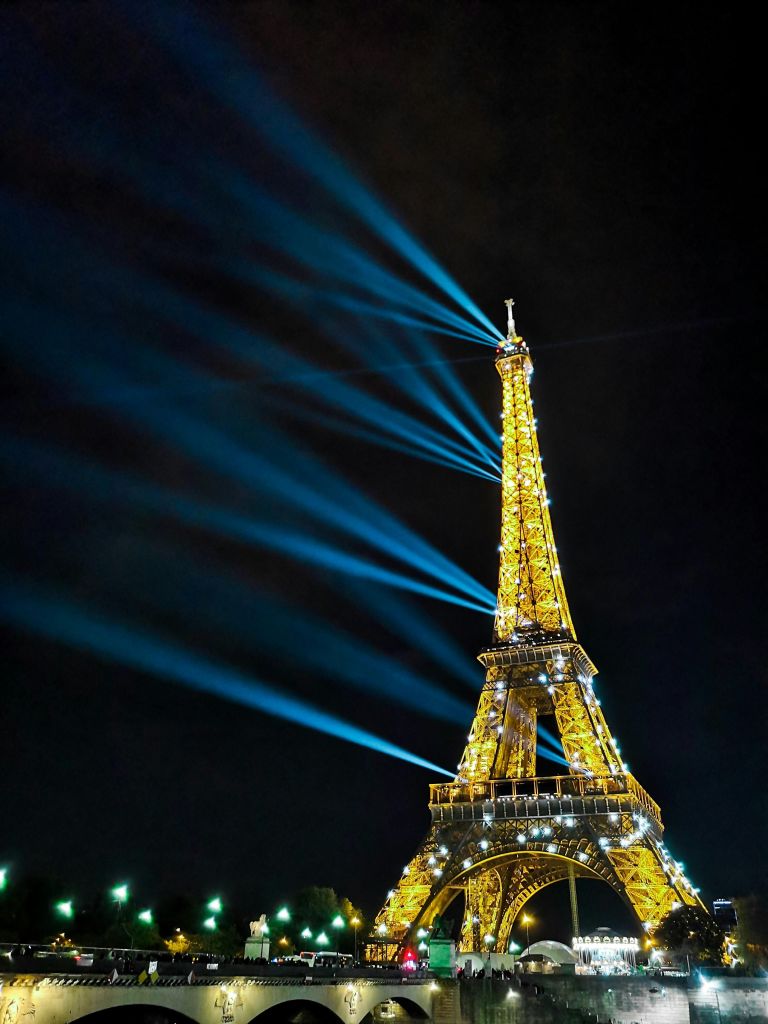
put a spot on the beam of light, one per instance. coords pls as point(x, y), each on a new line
point(548, 737)
point(428, 452)
point(71, 473)
point(368, 341)
point(207, 55)
point(207, 325)
point(314, 299)
point(331, 257)
point(134, 156)
point(549, 755)
point(416, 437)
point(266, 624)
point(50, 616)
point(542, 748)
point(403, 618)
point(306, 485)
point(442, 369)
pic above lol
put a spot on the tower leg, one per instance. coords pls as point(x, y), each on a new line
point(574, 904)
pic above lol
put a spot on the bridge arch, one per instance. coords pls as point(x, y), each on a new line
point(133, 1013)
point(413, 1010)
point(297, 1011)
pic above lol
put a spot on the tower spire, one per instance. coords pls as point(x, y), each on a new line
point(531, 602)
point(511, 332)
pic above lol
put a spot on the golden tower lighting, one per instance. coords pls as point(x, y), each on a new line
point(500, 832)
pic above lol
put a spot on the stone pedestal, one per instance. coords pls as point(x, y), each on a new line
point(256, 947)
point(442, 957)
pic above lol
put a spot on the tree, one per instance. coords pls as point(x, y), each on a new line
point(752, 931)
point(315, 908)
point(691, 931)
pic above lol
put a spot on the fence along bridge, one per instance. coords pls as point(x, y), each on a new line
point(61, 998)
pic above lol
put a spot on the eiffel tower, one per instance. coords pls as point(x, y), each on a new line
point(501, 832)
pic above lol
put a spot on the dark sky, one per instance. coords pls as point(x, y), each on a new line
point(597, 161)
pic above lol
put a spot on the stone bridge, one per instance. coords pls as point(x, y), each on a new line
point(48, 998)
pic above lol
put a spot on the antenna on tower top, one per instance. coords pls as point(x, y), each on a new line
point(511, 332)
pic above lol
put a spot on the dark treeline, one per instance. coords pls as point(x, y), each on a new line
point(38, 909)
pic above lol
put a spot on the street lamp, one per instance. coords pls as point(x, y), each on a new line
point(120, 893)
point(306, 934)
point(284, 914)
point(3, 878)
point(210, 923)
point(214, 905)
point(355, 922)
point(145, 916)
point(65, 908)
point(527, 921)
point(322, 939)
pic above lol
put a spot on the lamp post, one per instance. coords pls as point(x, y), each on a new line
point(513, 949)
point(120, 896)
point(338, 924)
point(355, 922)
point(527, 921)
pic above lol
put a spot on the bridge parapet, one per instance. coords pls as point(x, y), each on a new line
point(236, 999)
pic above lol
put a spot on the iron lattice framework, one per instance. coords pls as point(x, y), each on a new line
point(500, 832)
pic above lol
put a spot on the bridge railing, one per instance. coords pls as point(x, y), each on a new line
point(543, 787)
point(178, 974)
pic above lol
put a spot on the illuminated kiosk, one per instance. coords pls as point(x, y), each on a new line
point(500, 831)
point(606, 952)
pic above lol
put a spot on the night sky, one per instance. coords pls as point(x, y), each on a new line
point(598, 162)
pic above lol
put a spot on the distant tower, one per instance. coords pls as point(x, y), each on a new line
point(501, 832)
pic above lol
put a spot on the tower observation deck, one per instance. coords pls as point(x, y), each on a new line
point(500, 832)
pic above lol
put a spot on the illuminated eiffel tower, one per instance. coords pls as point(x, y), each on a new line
point(500, 832)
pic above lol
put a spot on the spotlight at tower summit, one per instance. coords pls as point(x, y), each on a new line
point(500, 832)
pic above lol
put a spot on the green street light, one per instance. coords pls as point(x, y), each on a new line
point(3, 878)
point(145, 916)
point(210, 923)
point(283, 914)
point(513, 947)
point(306, 934)
point(120, 893)
point(65, 908)
point(215, 905)
point(322, 939)
point(338, 922)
